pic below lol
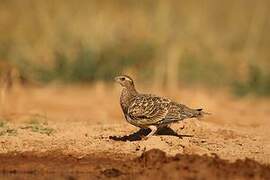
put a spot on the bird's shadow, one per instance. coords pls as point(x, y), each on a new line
point(144, 132)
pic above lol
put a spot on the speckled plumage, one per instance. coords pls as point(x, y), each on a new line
point(146, 110)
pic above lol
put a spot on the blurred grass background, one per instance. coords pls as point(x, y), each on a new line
point(164, 43)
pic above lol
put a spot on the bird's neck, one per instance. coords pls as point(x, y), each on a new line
point(127, 95)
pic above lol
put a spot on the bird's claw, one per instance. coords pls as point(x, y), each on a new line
point(182, 126)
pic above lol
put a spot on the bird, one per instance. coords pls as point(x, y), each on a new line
point(151, 111)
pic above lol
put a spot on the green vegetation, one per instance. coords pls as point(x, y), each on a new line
point(9, 132)
point(207, 72)
point(258, 82)
point(2, 124)
point(94, 41)
point(6, 130)
point(38, 127)
point(89, 66)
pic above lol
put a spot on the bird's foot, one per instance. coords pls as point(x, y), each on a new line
point(144, 138)
point(182, 126)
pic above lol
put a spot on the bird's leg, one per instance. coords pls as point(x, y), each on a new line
point(182, 124)
point(153, 130)
point(197, 123)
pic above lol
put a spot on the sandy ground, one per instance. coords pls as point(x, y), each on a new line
point(79, 122)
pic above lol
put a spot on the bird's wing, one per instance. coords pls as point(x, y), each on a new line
point(179, 112)
point(148, 109)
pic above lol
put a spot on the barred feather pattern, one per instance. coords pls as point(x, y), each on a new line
point(144, 110)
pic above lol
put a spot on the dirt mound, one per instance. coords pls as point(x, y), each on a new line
point(199, 167)
point(152, 164)
point(153, 157)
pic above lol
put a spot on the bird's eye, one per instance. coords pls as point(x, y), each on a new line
point(122, 79)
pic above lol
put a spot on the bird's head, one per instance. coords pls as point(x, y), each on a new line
point(124, 81)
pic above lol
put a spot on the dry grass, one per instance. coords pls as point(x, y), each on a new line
point(233, 33)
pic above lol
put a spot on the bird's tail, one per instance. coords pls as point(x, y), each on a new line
point(200, 113)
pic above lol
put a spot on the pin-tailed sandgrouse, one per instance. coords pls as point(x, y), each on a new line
point(150, 111)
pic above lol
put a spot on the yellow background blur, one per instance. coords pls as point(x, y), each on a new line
point(163, 43)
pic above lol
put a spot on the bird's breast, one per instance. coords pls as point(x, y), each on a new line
point(134, 122)
point(126, 99)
